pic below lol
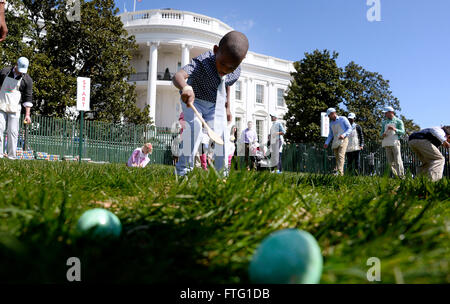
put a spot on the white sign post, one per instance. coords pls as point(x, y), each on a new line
point(83, 103)
point(83, 93)
point(324, 124)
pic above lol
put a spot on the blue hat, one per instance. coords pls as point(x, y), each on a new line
point(330, 110)
point(22, 64)
point(388, 109)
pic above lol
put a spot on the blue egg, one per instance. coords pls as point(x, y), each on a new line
point(99, 223)
point(289, 256)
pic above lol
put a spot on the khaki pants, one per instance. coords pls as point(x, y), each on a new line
point(430, 156)
point(394, 158)
point(339, 153)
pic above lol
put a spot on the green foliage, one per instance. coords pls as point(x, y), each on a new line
point(316, 86)
point(319, 84)
point(97, 47)
point(367, 93)
point(410, 125)
point(205, 230)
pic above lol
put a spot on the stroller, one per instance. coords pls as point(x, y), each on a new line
point(260, 157)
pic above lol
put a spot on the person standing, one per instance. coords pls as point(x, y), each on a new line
point(391, 130)
point(249, 138)
point(205, 83)
point(277, 132)
point(355, 145)
point(3, 27)
point(425, 144)
point(371, 163)
point(16, 91)
point(233, 147)
point(339, 131)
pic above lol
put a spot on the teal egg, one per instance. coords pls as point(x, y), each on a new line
point(289, 256)
point(99, 223)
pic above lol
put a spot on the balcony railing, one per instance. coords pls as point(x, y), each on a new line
point(174, 18)
point(144, 76)
point(138, 77)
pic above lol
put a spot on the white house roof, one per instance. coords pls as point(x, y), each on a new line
point(175, 26)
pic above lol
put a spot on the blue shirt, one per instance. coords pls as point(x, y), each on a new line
point(249, 136)
point(280, 127)
point(204, 78)
point(345, 125)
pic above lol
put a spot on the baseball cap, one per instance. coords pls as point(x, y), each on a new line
point(22, 64)
point(330, 110)
point(272, 113)
point(351, 116)
point(388, 109)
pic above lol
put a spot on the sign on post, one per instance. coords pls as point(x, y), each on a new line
point(83, 99)
point(324, 124)
point(83, 93)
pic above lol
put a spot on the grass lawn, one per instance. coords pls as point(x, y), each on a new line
point(205, 230)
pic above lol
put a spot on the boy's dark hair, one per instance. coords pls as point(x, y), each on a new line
point(234, 44)
point(446, 130)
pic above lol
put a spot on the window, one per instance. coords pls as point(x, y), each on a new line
point(280, 97)
point(259, 129)
point(259, 93)
point(237, 92)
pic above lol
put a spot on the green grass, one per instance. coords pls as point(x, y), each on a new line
point(205, 230)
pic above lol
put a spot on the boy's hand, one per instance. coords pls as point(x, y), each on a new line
point(188, 96)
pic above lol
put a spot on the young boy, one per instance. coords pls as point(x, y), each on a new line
point(209, 77)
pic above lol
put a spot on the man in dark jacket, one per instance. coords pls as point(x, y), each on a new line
point(16, 89)
point(355, 145)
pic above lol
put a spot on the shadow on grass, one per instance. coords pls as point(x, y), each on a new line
point(145, 253)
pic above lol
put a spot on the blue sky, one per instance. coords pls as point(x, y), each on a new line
point(410, 46)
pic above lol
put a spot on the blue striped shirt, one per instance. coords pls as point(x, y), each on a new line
point(204, 78)
point(345, 125)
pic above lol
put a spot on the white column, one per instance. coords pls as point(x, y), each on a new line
point(152, 73)
point(185, 55)
point(250, 101)
point(271, 104)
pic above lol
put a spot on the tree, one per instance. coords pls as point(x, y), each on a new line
point(14, 45)
point(319, 83)
point(60, 50)
point(410, 125)
point(367, 93)
point(316, 86)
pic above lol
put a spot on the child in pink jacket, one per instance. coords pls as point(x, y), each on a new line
point(139, 157)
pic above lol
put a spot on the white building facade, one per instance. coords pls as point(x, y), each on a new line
point(169, 39)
